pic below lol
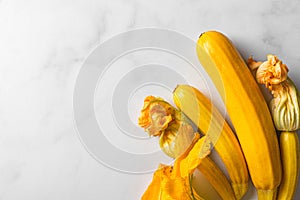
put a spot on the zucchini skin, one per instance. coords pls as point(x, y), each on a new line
point(247, 110)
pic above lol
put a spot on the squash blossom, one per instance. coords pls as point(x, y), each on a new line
point(174, 129)
point(270, 72)
point(285, 104)
point(178, 140)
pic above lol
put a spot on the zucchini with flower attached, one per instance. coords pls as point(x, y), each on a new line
point(176, 134)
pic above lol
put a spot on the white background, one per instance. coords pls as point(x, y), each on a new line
point(42, 47)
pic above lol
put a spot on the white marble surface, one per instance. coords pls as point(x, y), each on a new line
point(43, 44)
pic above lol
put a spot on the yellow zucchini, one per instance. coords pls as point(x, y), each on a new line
point(247, 110)
point(208, 119)
point(289, 147)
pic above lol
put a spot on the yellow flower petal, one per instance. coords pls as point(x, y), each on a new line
point(173, 183)
point(253, 65)
point(285, 106)
point(159, 118)
point(155, 115)
point(271, 72)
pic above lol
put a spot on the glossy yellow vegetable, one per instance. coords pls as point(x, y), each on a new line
point(216, 178)
point(289, 147)
point(247, 110)
point(208, 119)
